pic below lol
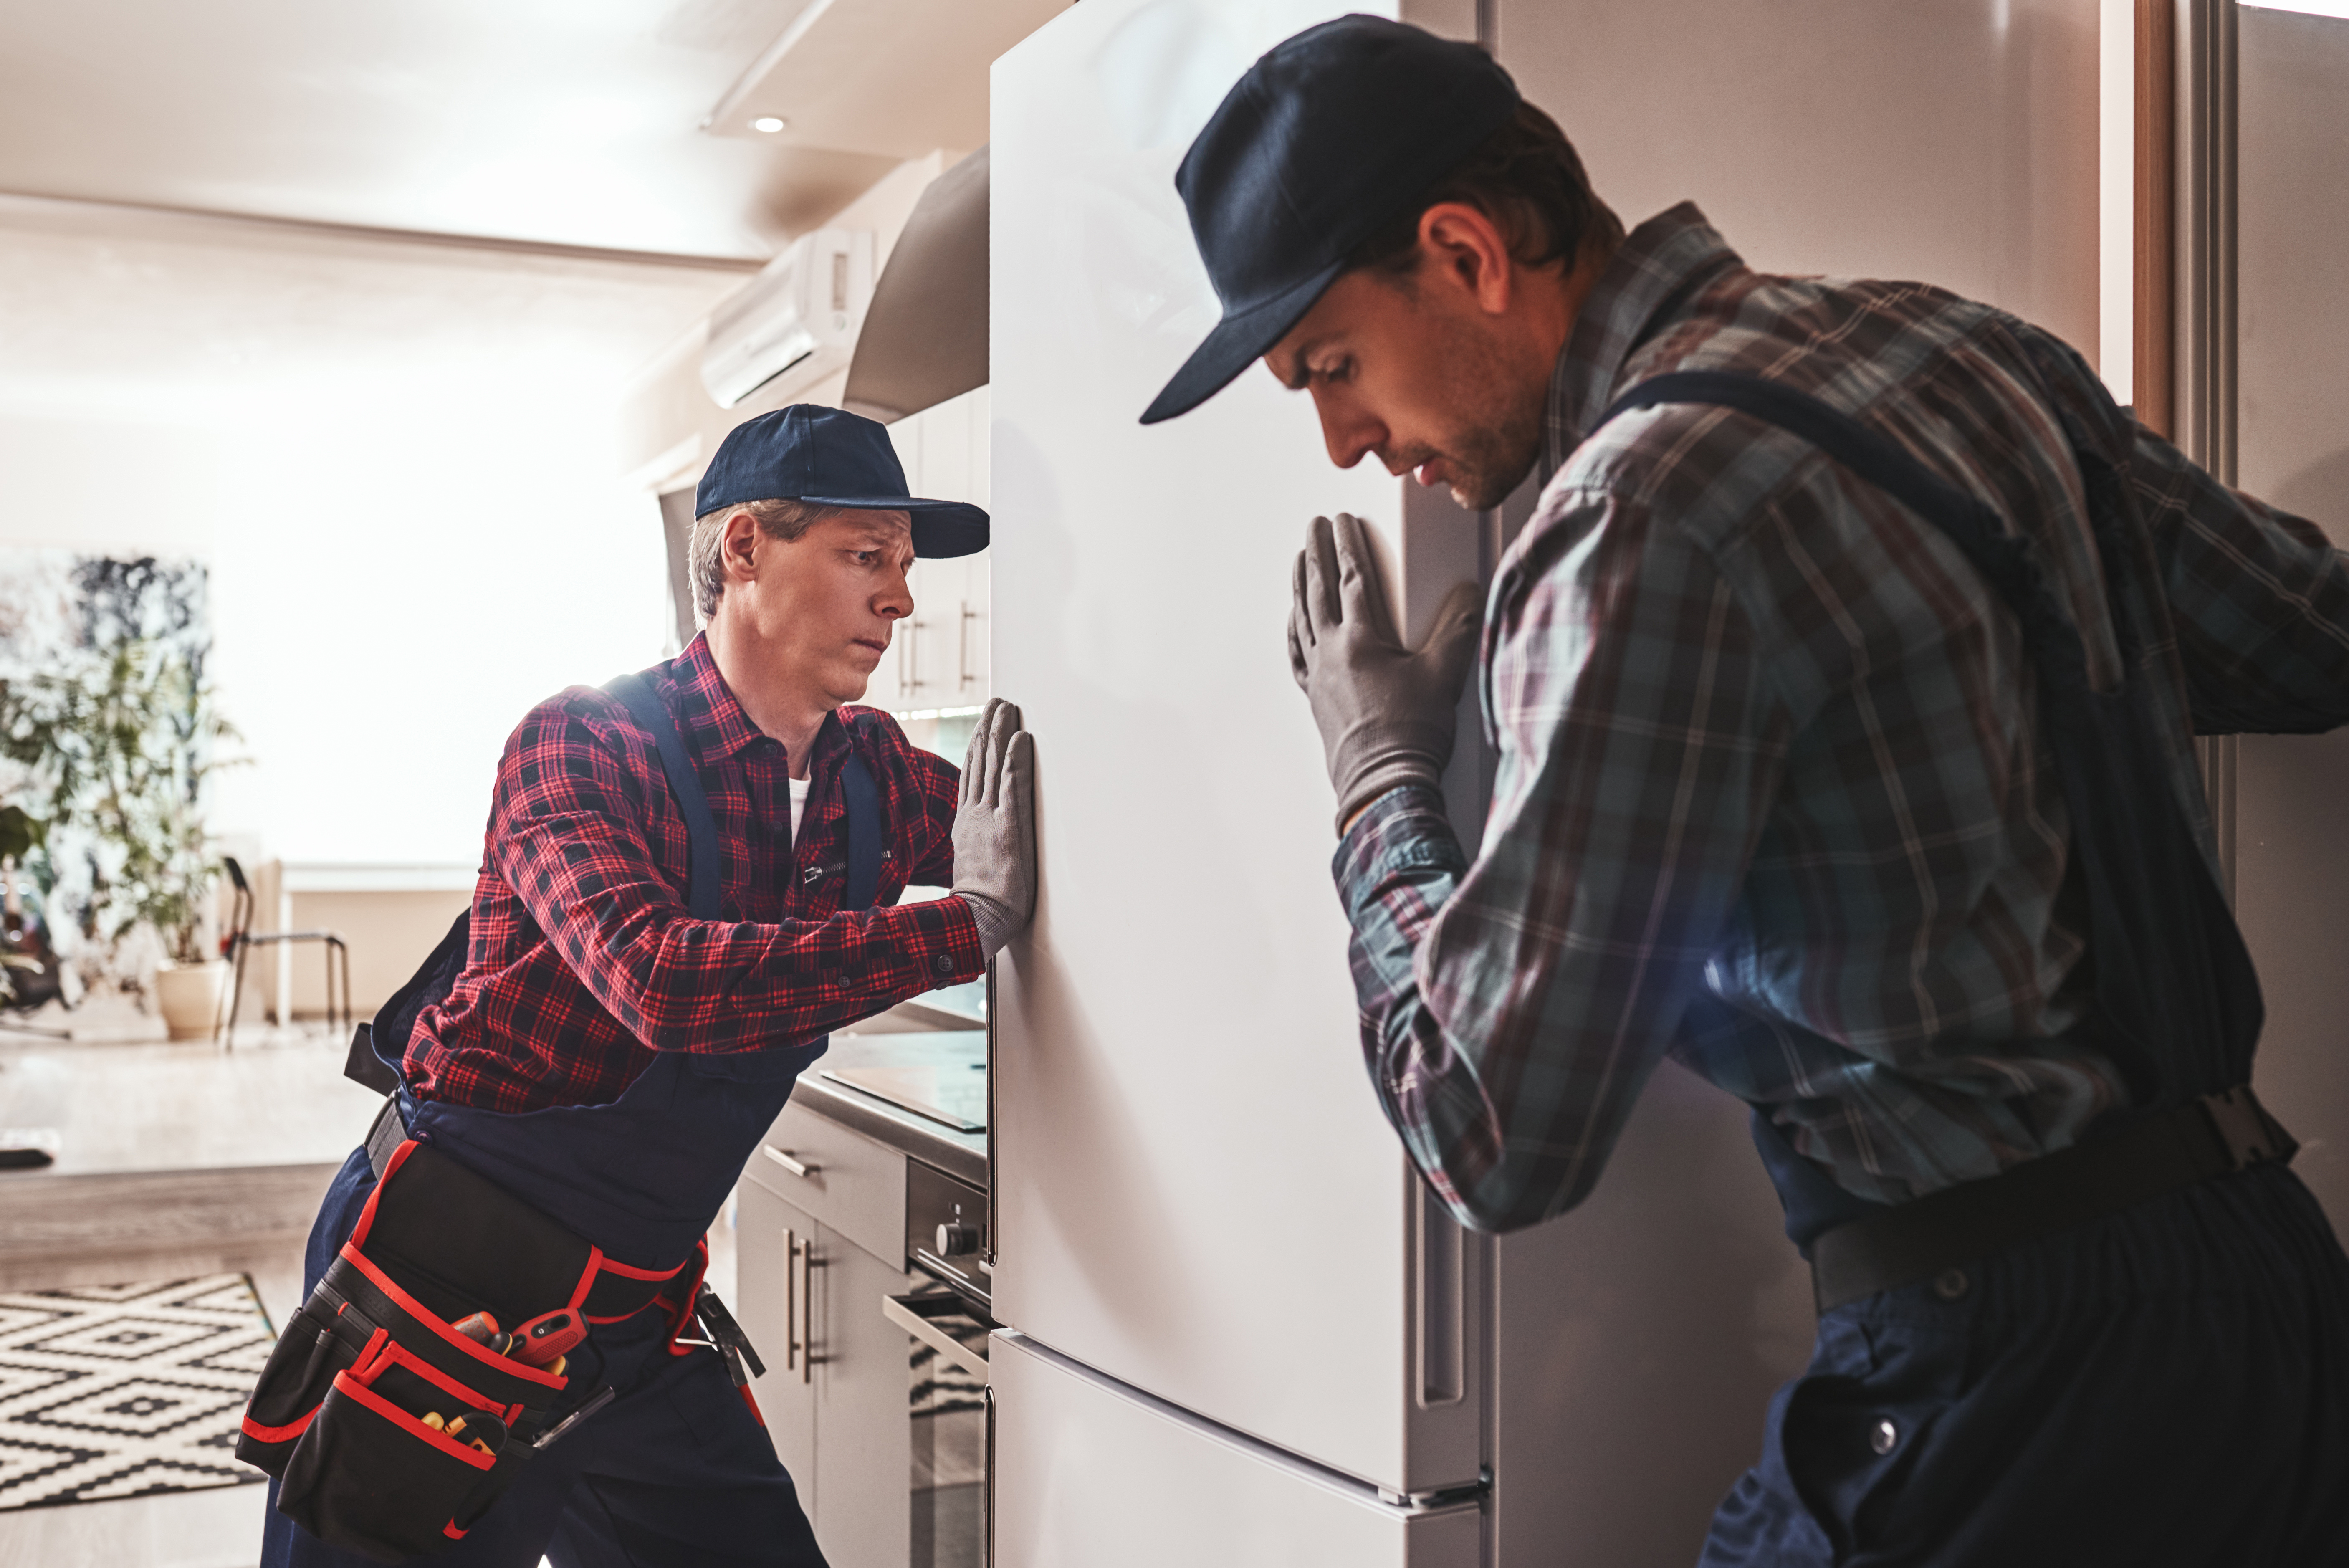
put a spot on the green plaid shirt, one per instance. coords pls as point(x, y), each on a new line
point(1772, 797)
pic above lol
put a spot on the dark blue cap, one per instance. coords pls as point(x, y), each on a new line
point(830, 457)
point(1329, 135)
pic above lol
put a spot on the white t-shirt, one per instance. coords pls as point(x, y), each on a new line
point(799, 804)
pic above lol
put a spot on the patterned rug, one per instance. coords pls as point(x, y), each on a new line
point(110, 1391)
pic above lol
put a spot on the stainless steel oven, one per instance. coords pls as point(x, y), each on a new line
point(947, 1320)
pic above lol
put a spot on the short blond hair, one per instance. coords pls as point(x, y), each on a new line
point(784, 520)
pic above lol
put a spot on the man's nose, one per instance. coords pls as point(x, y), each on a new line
point(1351, 432)
point(896, 601)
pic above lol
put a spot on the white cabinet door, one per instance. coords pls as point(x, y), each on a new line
point(1085, 1477)
point(938, 658)
point(766, 1229)
point(837, 1385)
point(863, 1430)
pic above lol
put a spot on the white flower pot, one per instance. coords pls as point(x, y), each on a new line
point(190, 996)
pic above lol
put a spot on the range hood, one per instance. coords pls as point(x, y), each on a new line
point(925, 334)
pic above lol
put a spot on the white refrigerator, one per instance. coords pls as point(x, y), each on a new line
point(1238, 1335)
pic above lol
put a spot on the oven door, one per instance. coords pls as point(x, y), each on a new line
point(946, 1408)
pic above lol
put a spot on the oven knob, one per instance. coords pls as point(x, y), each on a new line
point(954, 1241)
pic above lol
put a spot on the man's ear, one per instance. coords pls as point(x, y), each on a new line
point(738, 549)
point(1464, 246)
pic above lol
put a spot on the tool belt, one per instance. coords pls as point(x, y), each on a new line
point(1931, 1238)
point(340, 1412)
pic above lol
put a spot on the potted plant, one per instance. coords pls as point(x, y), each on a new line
point(29, 969)
point(126, 747)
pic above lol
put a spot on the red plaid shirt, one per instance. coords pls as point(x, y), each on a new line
point(583, 961)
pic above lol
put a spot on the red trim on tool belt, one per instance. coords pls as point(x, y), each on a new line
point(417, 1310)
point(384, 1408)
point(451, 1531)
point(366, 1215)
point(629, 1272)
point(681, 1314)
point(580, 1292)
point(398, 1354)
point(375, 1342)
point(261, 1434)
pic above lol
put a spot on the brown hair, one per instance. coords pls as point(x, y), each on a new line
point(1526, 178)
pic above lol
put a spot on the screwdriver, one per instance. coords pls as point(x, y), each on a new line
point(483, 1330)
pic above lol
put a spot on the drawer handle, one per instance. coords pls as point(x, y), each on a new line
point(795, 1166)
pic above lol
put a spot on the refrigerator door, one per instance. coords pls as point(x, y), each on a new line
point(2291, 882)
point(1195, 1189)
point(1954, 143)
point(1087, 1473)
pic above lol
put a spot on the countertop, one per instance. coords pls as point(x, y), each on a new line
point(958, 1154)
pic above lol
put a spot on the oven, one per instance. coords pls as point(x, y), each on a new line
point(947, 1321)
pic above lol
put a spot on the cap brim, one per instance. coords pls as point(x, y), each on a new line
point(942, 529)
point(1237, 341)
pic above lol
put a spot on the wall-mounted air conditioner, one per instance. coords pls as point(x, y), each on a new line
point(796, 322)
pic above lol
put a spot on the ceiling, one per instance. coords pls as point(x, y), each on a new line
point(564, 122)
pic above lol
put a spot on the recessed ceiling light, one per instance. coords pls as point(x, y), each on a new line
point(770, 124)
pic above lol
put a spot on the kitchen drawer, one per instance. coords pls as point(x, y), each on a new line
point(853, 1183)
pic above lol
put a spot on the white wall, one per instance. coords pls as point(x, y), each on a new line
point(400, 460)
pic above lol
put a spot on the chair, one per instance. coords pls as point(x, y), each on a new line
point(240, 936)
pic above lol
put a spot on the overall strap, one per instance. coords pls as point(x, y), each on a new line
point(652, 715)
point(2177, 997)
point(1968, 523)
point(861, 798)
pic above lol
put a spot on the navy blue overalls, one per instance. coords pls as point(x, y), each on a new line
point(2167, 1383)
point(677, 1468)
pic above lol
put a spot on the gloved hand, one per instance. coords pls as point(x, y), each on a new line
point(1385, 713)
point(994, 827)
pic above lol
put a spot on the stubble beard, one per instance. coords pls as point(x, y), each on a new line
point(1493, 447)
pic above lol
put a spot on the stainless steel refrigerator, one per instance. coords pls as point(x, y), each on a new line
point(1239, 1335)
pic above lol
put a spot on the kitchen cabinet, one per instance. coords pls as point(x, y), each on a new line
point(767, 1229)
point(938, 656)
point(836, 1386)
point(864, 1433)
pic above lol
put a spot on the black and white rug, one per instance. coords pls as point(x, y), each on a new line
point(110, 1391)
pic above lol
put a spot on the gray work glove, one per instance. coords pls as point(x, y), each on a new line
point(994, 827)
point(1385, 713)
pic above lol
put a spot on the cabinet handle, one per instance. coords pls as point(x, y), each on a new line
point(790, 1300)
point(799, 1330)
point(795, 1166)
point(962, 647)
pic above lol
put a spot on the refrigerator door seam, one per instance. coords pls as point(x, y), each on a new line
point(1465, 1496)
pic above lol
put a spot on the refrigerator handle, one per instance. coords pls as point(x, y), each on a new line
point(1442, 1306)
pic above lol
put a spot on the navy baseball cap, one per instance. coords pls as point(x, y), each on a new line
point(1329, 135)
point(830, 457)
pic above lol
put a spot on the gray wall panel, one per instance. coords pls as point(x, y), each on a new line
point(2292, 371)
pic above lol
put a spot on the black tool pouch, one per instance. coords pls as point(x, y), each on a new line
point(338, 1414)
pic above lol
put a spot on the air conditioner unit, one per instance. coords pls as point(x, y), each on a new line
point(796, 322)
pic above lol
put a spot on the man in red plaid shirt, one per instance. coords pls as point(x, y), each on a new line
point(620, 1033)
point(576, 974)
